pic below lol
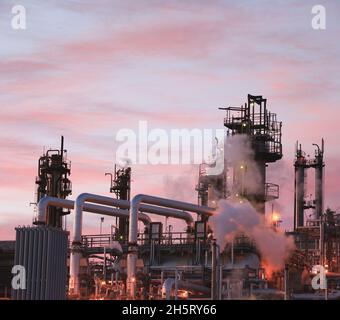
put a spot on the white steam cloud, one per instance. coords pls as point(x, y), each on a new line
point(239, 153)
point(231, 218)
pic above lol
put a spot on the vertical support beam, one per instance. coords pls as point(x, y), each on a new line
point(104, 264)
point(162, 279)
point(176, 284)
point(286, 283)
point(232, 253)
point(213, 271)
point(321, 242)
point(220, 282)
point(295, 202)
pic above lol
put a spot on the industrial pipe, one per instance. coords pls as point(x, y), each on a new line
point(167, 287)
point(89, 197)
point(133, 220)
point(108, 211)
point(47, 201)
point(77, 227)
point(69, 204)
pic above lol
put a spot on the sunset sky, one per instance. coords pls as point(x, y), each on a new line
point(85, 69)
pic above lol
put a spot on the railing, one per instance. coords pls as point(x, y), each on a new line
point(166, 238)
point(97, 240)
point(172, 238)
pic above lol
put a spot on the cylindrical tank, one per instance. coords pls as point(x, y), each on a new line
point(319, 190)
point(299, 193)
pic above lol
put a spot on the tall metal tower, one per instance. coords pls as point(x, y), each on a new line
point(121, 187)
point(301, 165)
point(52, 180)
point(264, 134)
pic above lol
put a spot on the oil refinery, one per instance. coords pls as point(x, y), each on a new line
point(232, 248)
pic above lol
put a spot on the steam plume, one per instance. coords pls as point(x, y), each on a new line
point(232, 218)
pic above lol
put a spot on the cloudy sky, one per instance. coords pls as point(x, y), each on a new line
point(86, 69)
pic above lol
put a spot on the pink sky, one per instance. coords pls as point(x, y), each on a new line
point(86, 69)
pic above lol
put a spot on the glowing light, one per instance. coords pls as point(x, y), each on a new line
point(275, 217)
point(241, 166)
point(133, 279)
point(103, 283)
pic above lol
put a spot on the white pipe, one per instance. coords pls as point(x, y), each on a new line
point(47, 201)
point(133, 230)
point(89, 197)
point(108, 211)
point(77, 228)
point(167, 287)
point(177, 214)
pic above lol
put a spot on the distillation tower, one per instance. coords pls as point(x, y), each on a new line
point(261, 132)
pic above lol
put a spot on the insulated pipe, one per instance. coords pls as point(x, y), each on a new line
point(77, 227)
point(135, 206)
point(108, 211)
point(47, 201)
point(89, 197)
point(178, 214)
point(167, 287)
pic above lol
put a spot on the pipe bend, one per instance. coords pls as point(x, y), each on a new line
point(85, 197)
point(144, 218)
point(91, 197)
point(136, 200)
point(42, 208)
point(47, 201)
